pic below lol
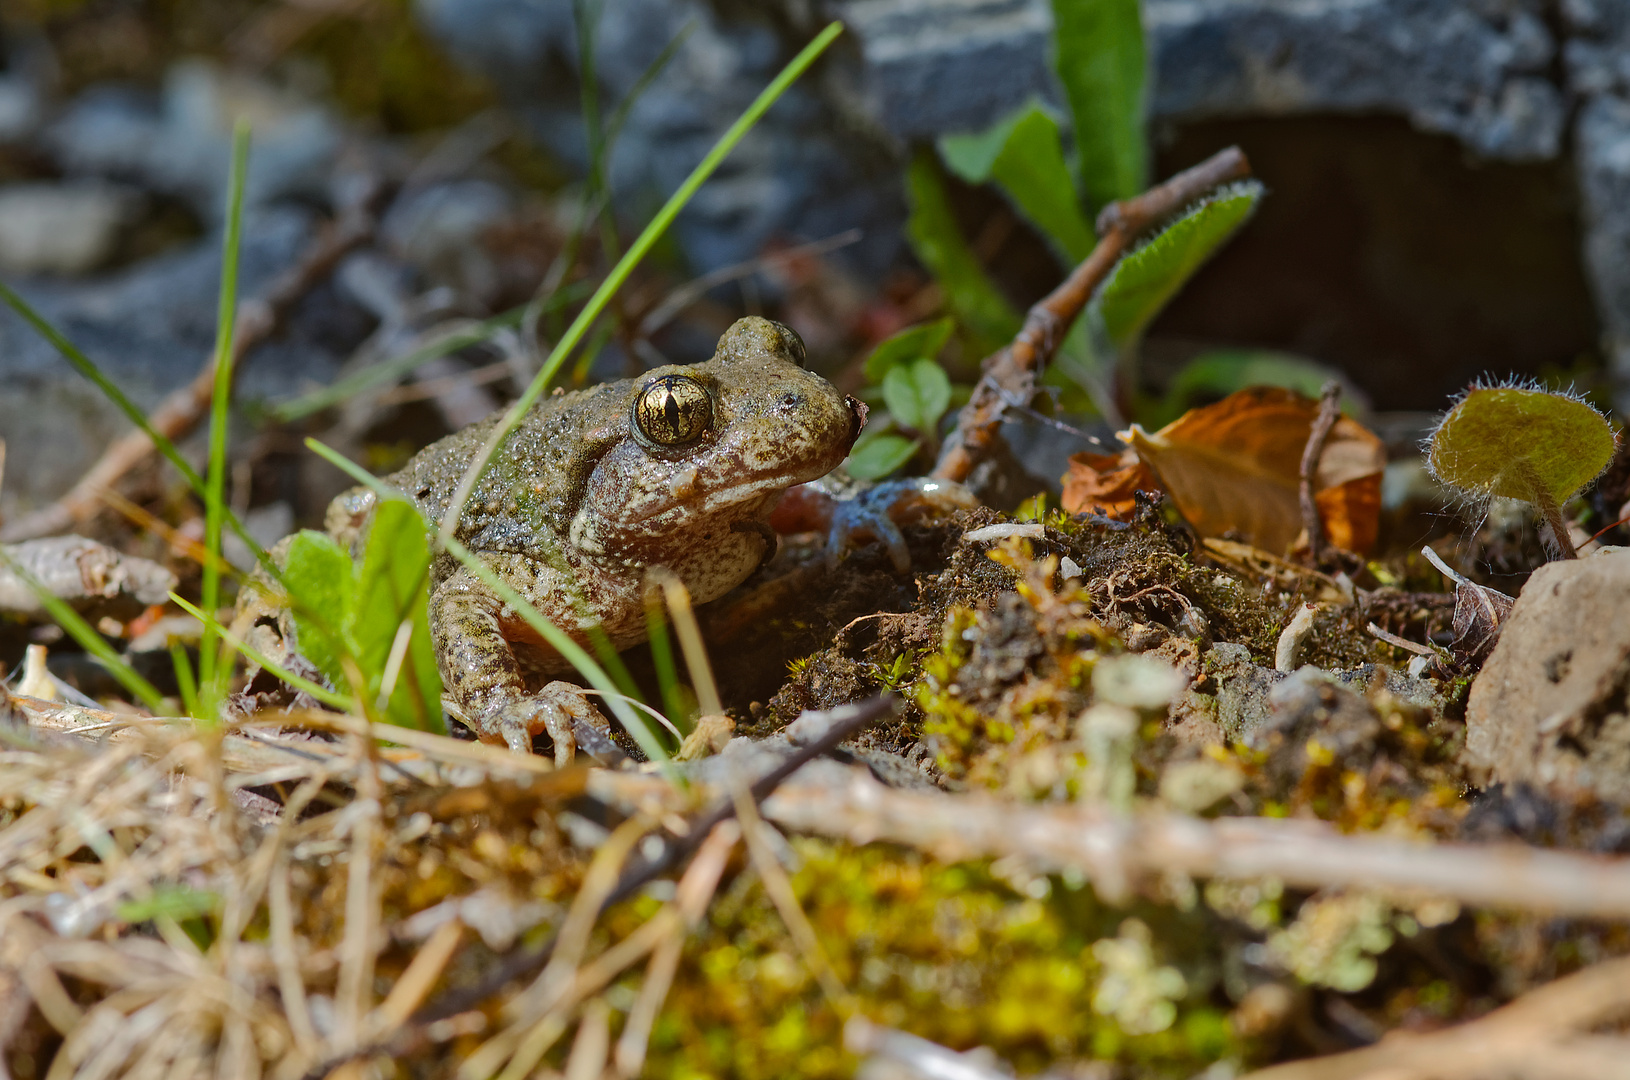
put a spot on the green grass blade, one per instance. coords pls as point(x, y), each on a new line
point(662, 659)
point(614, 127)
point(396, 367)
point(625, 266)
point(184, 678)
point(211, 690)
point(321, 693)
point(89, 370)
point(635, 724)
point(558, 640)
point(89, 640)
point(937, 241)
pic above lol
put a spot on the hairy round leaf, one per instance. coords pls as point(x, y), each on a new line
point(1518, 443)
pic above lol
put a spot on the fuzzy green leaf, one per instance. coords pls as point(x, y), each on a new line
point(877, 455)
point(322, 591)
point(1518, 443)
point(1099, 57)
point(1147, 278)
point(394, 587)
point(924, 339)
point(937, 241)
point(1025, 156)
point(917, 394)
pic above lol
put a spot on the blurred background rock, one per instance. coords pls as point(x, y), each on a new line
point(1449, 187)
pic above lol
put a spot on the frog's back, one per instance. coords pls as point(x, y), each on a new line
point(533, 477)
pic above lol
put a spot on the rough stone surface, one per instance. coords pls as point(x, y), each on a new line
point(920, 59)
point(799, 175)
point(1550, 707)
point(149, 327)
point(61, 228)
point(1474, 71)
point(181, 142)
point(1597, 62)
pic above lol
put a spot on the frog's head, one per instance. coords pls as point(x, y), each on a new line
point(709, 447)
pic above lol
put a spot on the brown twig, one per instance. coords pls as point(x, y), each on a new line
point(180, 412)
point(1329, 412)
point(1010, 374)
point(1116, 850)
point(846, 722)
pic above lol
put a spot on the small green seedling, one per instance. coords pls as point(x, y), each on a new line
point(1521, 442)
point(916, 392)
point(371, 617)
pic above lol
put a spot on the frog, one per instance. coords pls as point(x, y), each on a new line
point(591, 493)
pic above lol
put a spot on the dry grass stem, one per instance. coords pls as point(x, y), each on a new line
point(1535, 1037)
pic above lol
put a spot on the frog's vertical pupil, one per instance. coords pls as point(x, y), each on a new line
point(673, 410)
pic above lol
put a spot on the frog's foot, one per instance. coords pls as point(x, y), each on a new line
point(878, 512)
point(561, 711)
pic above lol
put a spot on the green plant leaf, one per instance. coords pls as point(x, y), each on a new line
point(937, 241)
point(1024, 154)
point(172, 902)
point(394, 588)
point(924, 339)
point(1147, 278)
point(877, 455)
point(321, 581)
point(1099, 57)
point(1516, 443)
point(917, 394)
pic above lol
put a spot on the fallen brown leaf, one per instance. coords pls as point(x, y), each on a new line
point(1233, 467)
point(1106, 484)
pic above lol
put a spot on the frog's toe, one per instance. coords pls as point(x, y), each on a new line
point(564, 713)
point(879, 511)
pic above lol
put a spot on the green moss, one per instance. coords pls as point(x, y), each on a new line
point(950, 952)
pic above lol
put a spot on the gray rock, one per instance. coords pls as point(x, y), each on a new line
point(1551, 707)
point(801, 174)
point(932, 66)
point(1243, 687)
point(181, 143)
point(68, 228)
point(149, 327)
point(1603, 163)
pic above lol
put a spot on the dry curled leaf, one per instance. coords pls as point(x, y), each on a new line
point(1480, 614)
point(1106, 484)
point(1234, 467)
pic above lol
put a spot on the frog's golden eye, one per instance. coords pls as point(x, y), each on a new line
point(794, 343)
point(673, 410)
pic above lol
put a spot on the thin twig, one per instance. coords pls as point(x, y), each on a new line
point(257, 321)
point(1011, 373)
point(1512, 1041)
point(1117, 850)
point(1329, 411)
point(847, 722)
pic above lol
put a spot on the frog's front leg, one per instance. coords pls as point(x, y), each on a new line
point(487, 679)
